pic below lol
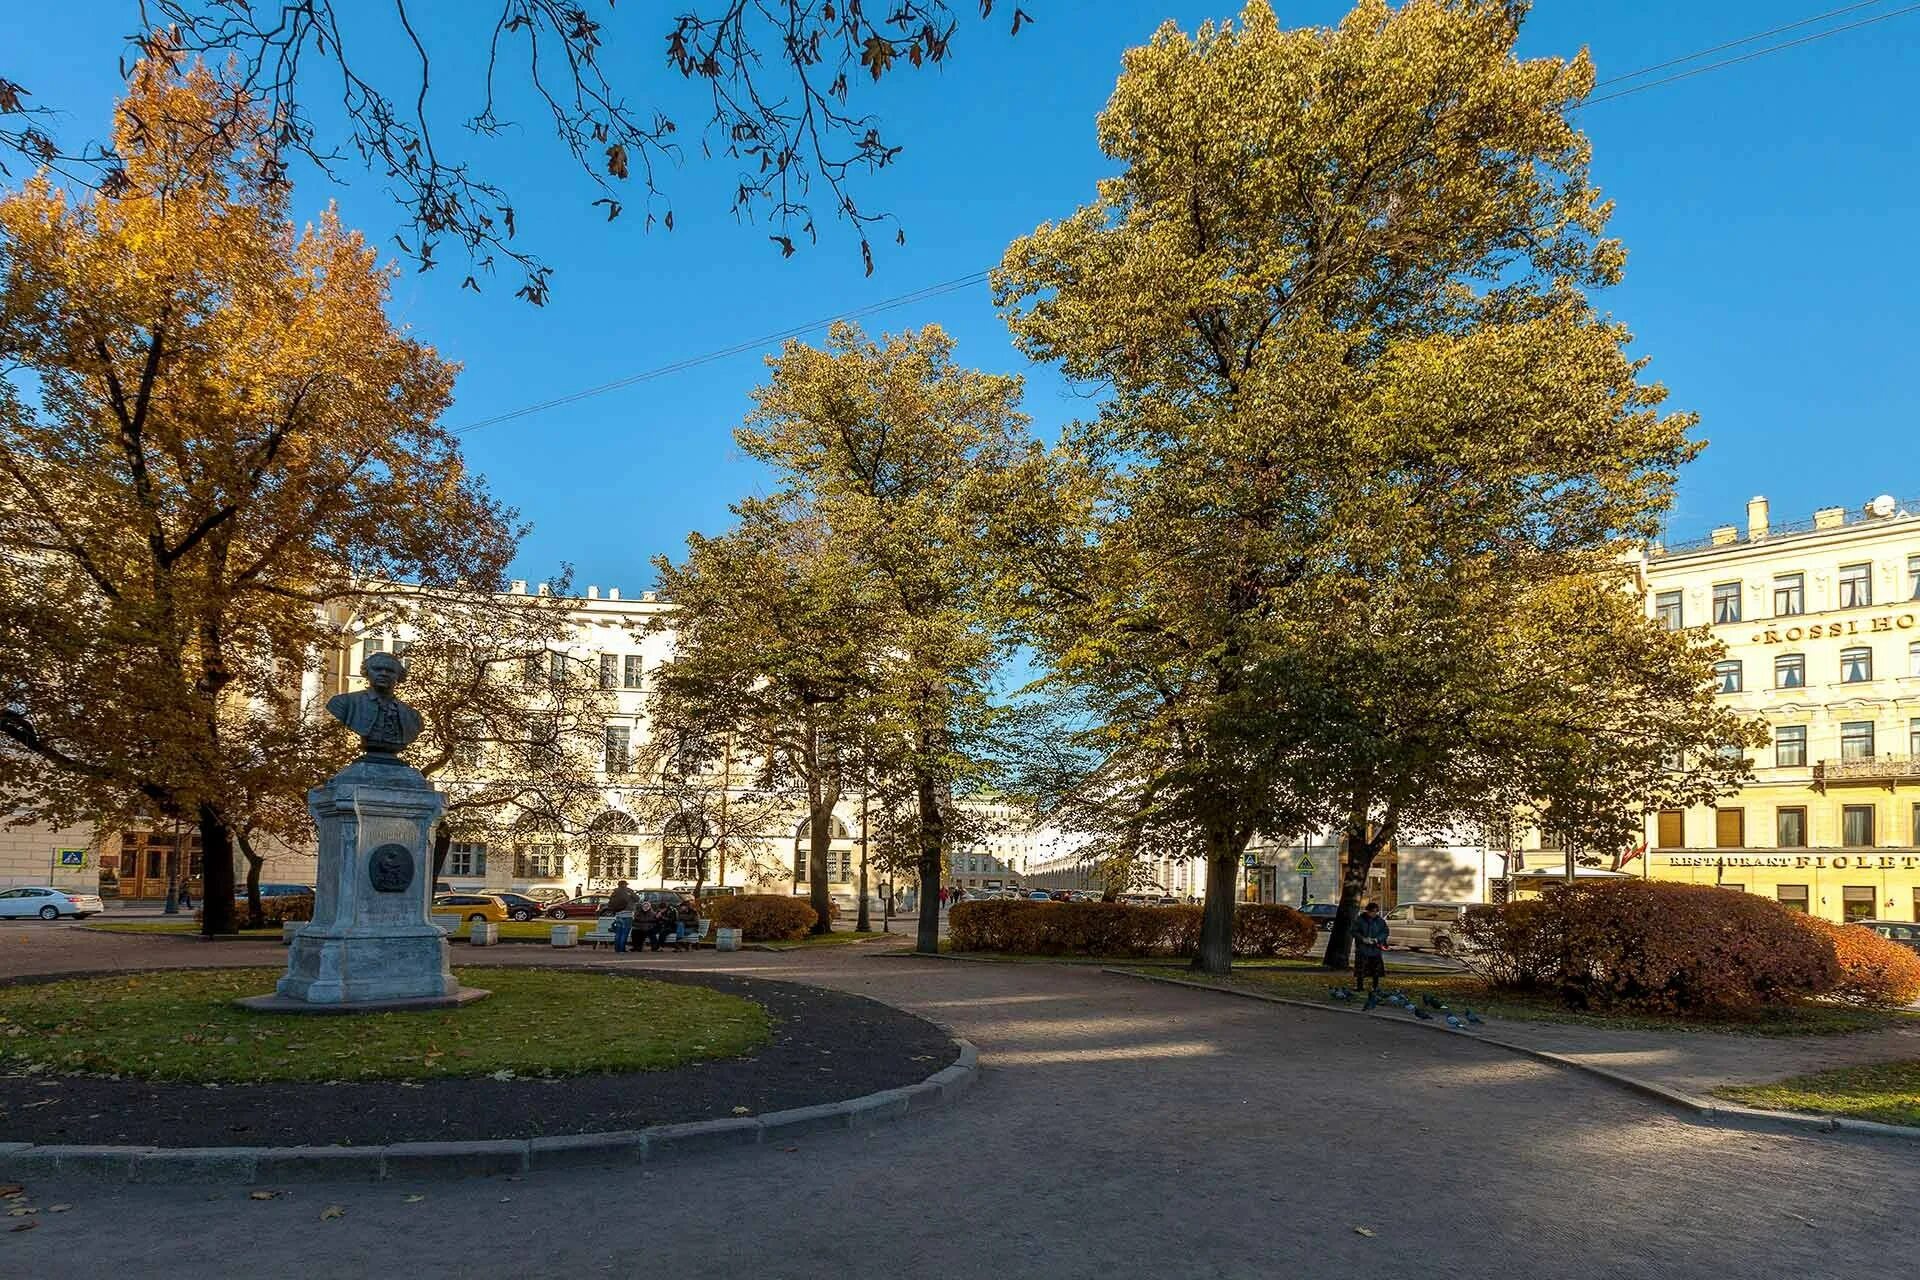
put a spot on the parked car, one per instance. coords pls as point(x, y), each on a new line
point(547, 895)
point(664, 897)
point(275, 891)
point(1900, 931)
point(1061, 895)
point(1321, 913)
point(520, 906)
point(584, 907)
point(1425, 926)
point(1039, 895)
point(470, 906)
point(48, 903)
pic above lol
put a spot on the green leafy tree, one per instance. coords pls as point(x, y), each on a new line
point(1363, 414)
point(904, 457)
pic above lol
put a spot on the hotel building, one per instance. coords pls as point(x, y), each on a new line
point(1821, 623)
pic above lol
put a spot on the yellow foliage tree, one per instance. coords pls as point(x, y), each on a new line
point(218, 436)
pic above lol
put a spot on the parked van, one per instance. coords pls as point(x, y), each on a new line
point(1426, 926)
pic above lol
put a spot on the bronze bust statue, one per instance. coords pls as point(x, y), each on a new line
point(385, 724)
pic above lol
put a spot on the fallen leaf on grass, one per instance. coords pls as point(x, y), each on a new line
point(1365, 1231)
point(21, 1211)
point(413, 1200)
point(28, 1225)
point(262, 1195)
point(11, 1189)
point(58, 1208)
point(742, 1111)
point(332, 1211)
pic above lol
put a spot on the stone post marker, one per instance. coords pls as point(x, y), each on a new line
point(370, 945)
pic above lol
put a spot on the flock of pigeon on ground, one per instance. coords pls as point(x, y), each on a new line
point(1400, 1000)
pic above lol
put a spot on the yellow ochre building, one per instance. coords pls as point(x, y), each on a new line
point(1821, 621)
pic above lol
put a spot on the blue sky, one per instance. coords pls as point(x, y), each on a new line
point(1768, 209)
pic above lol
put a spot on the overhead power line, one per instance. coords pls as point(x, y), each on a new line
point(978, 277)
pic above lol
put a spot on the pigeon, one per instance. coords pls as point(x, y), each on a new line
point(1373, 998)
point(1399, 999)
point(1339, 993)
point(1474, 1018)
point(1433, 1002)
point(1455, 1023)
point(1422, 1014)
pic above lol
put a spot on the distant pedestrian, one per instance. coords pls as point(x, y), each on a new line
point(943, 897)
point(1369, 946)
point(186, 898)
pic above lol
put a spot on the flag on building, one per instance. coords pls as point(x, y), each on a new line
point(1621, 863)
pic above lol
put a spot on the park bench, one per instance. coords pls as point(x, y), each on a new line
point(688, 941)
point(603, 928)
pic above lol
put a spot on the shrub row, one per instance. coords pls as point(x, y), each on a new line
point(272, 910)
point(1681, 948)
point(1112, 929)
point(763, 917)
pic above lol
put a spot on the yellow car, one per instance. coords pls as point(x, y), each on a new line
point(469, 906)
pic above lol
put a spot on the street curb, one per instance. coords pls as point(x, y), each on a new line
point(1699, 1109)
point(417, 1160)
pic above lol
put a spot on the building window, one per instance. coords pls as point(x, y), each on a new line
point(538, 861)
point(1789, 595)
point(1666, 607)
point(616, 862)
point(1856, 902)
point(543, 743)
point(1913, 659)
point(1727, 675)
point(1790, 671)
point(1672, 830)
point(556, 667)
point(466, 753)
point(1856, 586)
point(1913, 577)
point(1790, 746)
point(614, 749)
point(1856, 826)
point(1916, 836)
point(1856, 740)
point(1790, 828)
point(1792, 896)
point(1856, 666)
point(631, 671)
point(1730, 828)
point(1913, 738)
point(1726, 602)
point(609, 670)
point(466, 859)
point(680, 849)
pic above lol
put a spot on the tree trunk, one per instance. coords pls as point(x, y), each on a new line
point(933, 838)
point(442, 842)
point(256, 914)
point(1216, 920)
point(216, 873)
point(863, 920)
point(819, 836)
point(1353, 886)
point(172, 908)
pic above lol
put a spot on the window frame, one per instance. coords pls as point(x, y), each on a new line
point(1785, 735)
point(1780, 816)
point(1726, 603)
point(468, 854)
point(609, 670)
point(1845, 736)
point(1730, 676)
point(1855, 585)
point(1852, 894)
point(1847, 812)
point(1856, 659)
point(1677, 600)
point(1913, 578)
point(633, 671)
point(1793, 586)
point(1721, 815)
point(608, 764)
point(1801, 902)
point(1793, 662)
point(1679, 819)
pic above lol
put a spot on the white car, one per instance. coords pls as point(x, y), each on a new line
point(47, 903)
point(1426, 926)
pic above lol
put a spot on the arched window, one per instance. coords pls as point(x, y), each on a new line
point(539, 848)
point(680, 847)
point(839, 854)
point(615, 843)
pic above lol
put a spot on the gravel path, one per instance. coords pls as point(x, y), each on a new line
point(1120, 1129)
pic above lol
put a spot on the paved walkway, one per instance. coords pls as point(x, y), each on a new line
point(1120, 1129)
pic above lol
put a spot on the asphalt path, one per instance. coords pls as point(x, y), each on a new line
point(1119, 1129)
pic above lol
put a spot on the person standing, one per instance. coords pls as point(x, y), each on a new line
point(1369, 948)
point(622, 898)
point(943, 897)
point(186, 897)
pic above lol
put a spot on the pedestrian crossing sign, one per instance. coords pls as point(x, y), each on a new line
point(72, 857)
point(1304, 866)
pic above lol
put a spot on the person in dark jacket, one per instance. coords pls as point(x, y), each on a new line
point(1369, 948)
point(688, 917)
point(621, 899)
point(646, 925)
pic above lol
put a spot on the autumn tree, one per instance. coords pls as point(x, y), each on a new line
point(1363, 413)
point(902, 456)
point(774, 87)
point(211, 432)
point(773, 645)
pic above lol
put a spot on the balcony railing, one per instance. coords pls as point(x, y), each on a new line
point(1874, 771)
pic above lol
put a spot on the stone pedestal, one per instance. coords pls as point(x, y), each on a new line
point(370, 944)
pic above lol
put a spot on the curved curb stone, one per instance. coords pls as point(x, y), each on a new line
point(465, 1159)
point(1701, 1109)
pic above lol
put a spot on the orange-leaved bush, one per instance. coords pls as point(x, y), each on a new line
point(1873, 970)
point(763, 917)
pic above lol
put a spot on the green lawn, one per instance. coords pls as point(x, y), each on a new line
point(1307, 980)
point(1889, 1093)
point(183, 1026)
point(173, 926)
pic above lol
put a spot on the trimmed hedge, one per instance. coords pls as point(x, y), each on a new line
point(1030, 928)
point(763, 917)
point(272, 910)
point(1655, 946)
point(1873, 970)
